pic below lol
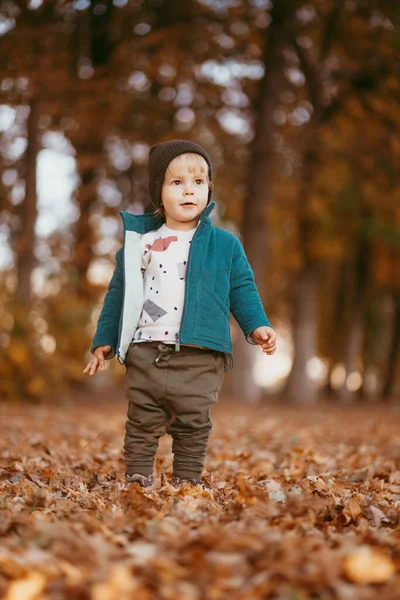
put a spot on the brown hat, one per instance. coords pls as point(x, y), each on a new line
point(159, 158)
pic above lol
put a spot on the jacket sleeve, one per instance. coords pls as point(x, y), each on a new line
point(245, 301)
point(108, 324)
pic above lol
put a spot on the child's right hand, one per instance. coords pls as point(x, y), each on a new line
point(98, 360)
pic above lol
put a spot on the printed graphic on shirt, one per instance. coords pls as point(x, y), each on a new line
point(155, 312)
point(162, 244)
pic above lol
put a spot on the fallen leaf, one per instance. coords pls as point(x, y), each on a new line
point(28, 588)
point(368, 565)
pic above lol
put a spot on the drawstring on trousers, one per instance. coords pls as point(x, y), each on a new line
point(164, 353)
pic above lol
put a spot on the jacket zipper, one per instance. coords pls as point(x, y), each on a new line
point(123, 306)
point(178, 335)
point(177, 343)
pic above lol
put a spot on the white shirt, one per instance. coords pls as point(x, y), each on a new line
point(164, 261)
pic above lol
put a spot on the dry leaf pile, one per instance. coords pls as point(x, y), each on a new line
point(304, 504)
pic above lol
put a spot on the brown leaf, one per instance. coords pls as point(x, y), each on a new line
point(352, 511)
point(368, 565)
point(29, 588)
point(93, 481)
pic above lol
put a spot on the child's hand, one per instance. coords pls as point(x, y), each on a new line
point(97, 360)
point(266, 338)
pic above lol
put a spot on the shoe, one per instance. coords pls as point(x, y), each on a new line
point(142, 480)
point(179, 481)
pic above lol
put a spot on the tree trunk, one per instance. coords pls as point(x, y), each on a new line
point(300, 388)
point(25, 245)
point(23, 362)
point(357, 317)
point(87, 162)
point(393, 356)
point(258, 196)
point(337, 329)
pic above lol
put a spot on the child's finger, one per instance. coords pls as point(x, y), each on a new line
point(261, 339)
point(269, 351)
point(88, 366)
point(101, 361)
point(269, 344)
point(269, 347)
point(95, 364)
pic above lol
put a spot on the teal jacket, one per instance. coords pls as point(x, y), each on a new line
point(219, 281)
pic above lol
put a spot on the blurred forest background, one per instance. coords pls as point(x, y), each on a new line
point(298, 103)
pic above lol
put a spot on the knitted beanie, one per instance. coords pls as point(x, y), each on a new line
point(159, 158)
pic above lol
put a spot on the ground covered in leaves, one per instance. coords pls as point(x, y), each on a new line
point(304, 504)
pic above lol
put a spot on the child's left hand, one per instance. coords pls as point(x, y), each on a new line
point(266, 338)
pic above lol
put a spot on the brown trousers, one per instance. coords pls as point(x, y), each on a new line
point(170, 392)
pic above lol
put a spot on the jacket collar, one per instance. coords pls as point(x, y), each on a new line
point(149, 222)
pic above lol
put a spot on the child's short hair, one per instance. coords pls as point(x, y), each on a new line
point(195, 163)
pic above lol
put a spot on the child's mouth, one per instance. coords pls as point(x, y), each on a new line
point(188, 204)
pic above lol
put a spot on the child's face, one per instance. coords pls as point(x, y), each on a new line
point(184, 193)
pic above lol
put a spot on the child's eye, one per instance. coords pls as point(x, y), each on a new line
point(176, 181)
point(199, 180)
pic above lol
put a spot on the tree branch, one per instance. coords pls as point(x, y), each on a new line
point(310, 68)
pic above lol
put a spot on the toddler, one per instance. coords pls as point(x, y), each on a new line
point(167, 310)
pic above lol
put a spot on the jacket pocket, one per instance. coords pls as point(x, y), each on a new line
point(212, 316)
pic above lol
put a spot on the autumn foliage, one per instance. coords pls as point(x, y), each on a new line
point(301, 506)
point(297, 102)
